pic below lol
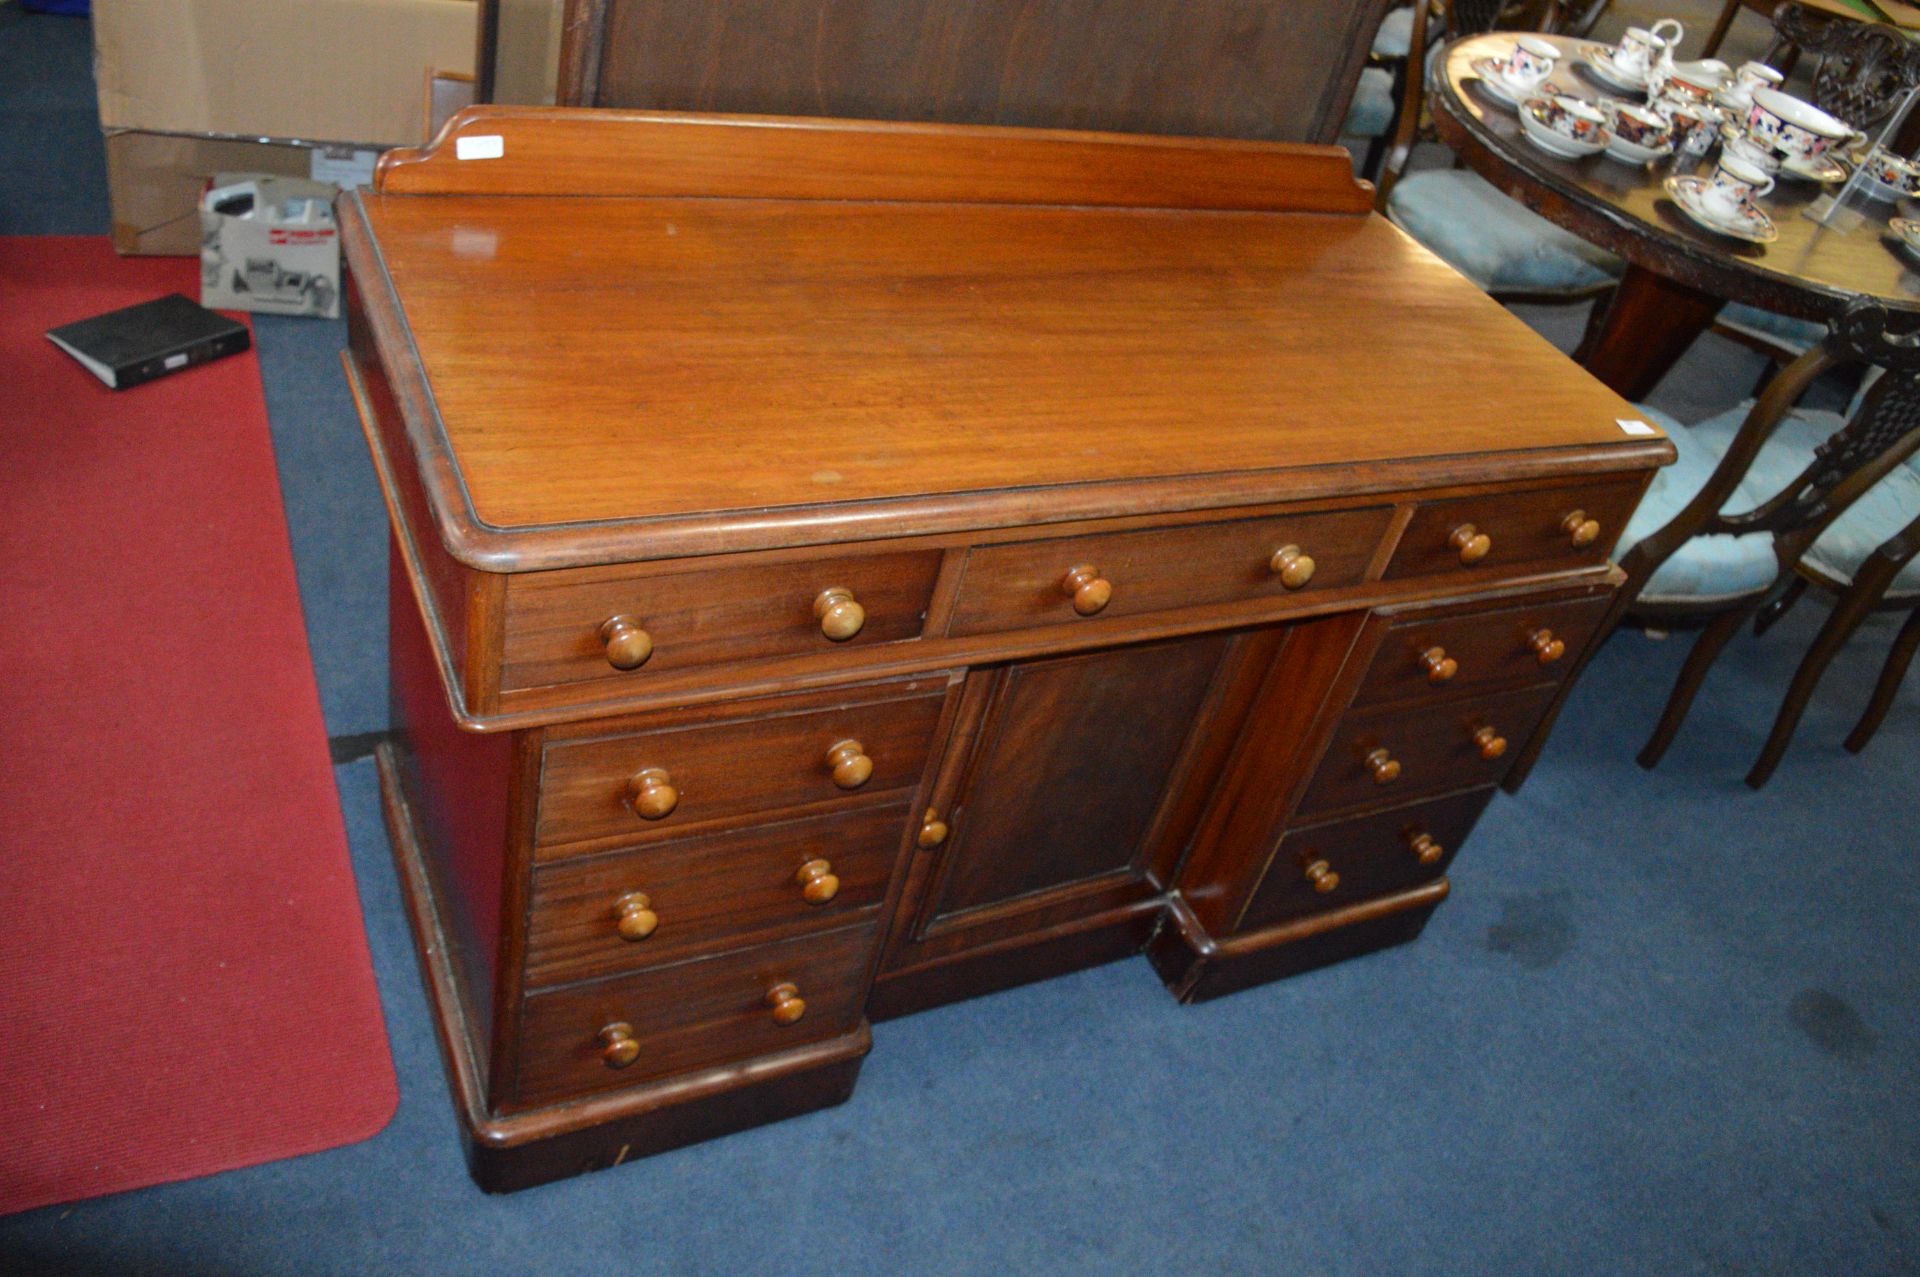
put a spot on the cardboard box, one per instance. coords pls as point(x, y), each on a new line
point(288, 70)
point(526, 60)
point(269, 244)
point(190, 88)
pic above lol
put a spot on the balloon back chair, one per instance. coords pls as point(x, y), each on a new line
point(1764, 493)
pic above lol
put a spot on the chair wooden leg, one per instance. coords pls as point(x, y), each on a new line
point(1845, 618)
point(1772, 612)
point(1705, 649)
point(1888, 687)
point(1721, 28)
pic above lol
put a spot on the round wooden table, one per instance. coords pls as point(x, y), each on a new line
point(1678, 273)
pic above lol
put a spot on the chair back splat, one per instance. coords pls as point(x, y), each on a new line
point(1864, 67)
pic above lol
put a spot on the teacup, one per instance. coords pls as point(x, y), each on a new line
point(1642, 126)
point(1891, 170)
point(1695, 125)
point(1733, 185)
point(1756, 75)
point(1572, 118)
point(1758, 154)
point(1531, 61)
point(1793, 127)
point(1636, 51)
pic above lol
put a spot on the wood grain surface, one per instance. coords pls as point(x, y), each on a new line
point(627, 359)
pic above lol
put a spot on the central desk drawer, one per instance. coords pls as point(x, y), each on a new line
point(1388, 756)
point(561, 626)
point(649, 784)
point(675, 900)
point(692, 1015)
point(1066, 579)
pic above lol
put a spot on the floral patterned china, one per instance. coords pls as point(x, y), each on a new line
point(1748, 222)
point(1565, 126)
point(1907, 231)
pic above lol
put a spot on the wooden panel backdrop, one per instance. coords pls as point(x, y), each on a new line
point(1275, 69)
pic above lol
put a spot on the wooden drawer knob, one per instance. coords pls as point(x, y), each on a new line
point(1439, 666)
point(788, 1006)
point(1472, 543)
point(817, 882)
point(1384, 766)
point(839, 613)
point(1322, 876)
point(850, 764)
point(652, 795)
point(1425, 849)
point(618, 1047)
point(1490, 743)
point(1581, 530)
point(1546, 648)
point(1292, 565)
point(1087, 588)
point(635, 916)
point(933, 830)
point(628, 646)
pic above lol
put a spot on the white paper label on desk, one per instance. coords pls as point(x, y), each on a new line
point(490, 146)
point(1635, 427)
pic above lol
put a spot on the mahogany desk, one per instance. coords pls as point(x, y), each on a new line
point(840, 568)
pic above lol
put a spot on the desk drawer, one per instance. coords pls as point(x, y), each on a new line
point(1505, 530)
point(1340, 864)
point(682, 776)
point(592, 917)
point(1388, 756)
point(1028, 583)
point(691, 1015)
point(558, 623)
point(1423, 654)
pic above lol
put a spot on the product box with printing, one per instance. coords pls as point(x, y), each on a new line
point(269, 244)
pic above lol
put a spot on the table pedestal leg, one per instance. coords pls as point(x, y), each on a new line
point(1646, 326)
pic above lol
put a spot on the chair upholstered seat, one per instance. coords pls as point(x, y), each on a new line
point(1708, 568)
point(1395, 37)
point(1493, 240)
point(1371, 113)
point(1798, 334)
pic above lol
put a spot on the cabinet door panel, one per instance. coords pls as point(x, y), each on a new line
point(1072, 765)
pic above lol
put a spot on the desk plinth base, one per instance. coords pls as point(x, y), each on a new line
point(521, 1150)
point(1196, 967)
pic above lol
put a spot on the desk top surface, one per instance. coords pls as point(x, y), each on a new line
point(632, 358)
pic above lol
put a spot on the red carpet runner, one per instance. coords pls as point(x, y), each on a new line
point(185, 985)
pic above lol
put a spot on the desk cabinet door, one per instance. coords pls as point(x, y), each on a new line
point(1066, 801)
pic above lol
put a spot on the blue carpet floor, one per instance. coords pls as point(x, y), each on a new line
point(1664, 1026)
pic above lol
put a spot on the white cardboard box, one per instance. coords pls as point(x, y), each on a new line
point(275, 249)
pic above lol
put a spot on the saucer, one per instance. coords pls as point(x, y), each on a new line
point(1873, 188)
point(1823, 168)
point(1495, 82)
point(1619, 148)
point(1907, 232)
point(1600, 62)
point(1752, 224)
point(1544, 136)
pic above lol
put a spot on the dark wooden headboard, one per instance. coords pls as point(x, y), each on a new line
point(1276, 69)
